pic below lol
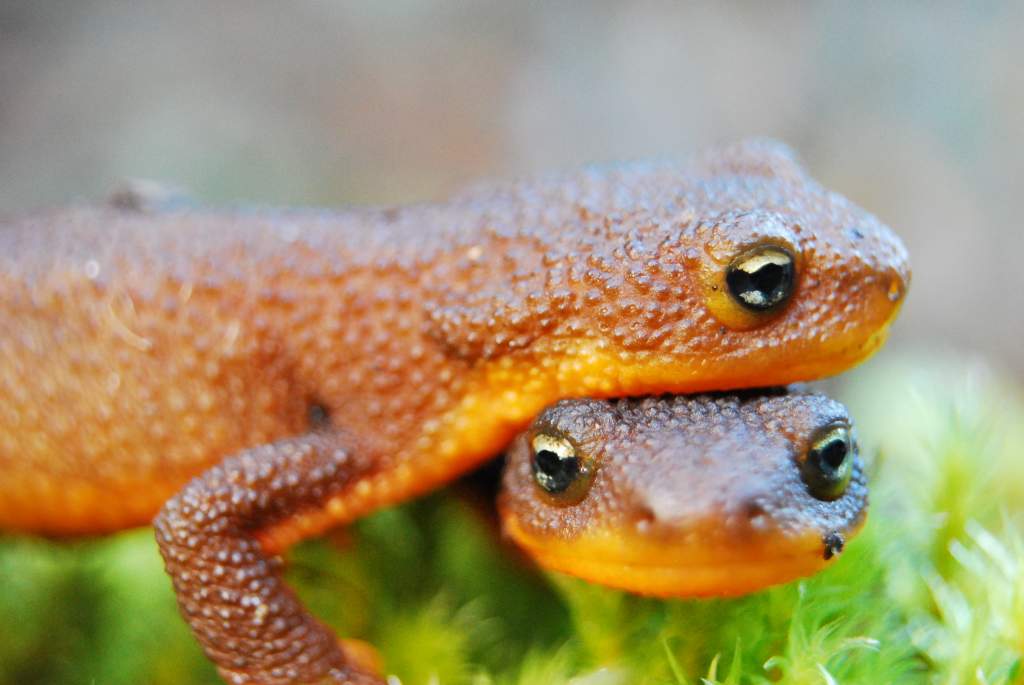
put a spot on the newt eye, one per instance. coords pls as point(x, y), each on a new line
point(761, 278)
point(559, 469)
point(828, 464)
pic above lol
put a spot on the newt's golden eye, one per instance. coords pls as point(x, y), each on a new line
point(559, 469)
point(761, 278)
point(828, 464)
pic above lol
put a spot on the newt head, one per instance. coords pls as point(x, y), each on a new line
point(733, 270)
point(677, 496)
point(801, 282)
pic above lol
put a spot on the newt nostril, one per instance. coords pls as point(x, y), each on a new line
point(753, 509)
point(756, 514)
point(897, 288)
point(898, 283)
point(317, 415)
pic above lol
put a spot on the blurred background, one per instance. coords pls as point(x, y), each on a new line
point(913, 110)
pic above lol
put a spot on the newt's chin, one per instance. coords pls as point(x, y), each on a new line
point(686, 568)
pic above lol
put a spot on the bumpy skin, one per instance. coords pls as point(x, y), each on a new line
point(250, 624)
point(142, 344)
point(689, 496)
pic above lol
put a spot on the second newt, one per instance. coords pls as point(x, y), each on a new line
point(686, 496)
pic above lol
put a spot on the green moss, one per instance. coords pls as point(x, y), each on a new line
point(931, 592)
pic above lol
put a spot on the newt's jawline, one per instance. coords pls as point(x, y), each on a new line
point(683, 570)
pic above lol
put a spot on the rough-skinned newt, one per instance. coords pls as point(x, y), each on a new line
point(686, 496)
point(352, 359)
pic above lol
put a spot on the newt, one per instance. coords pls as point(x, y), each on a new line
point(356, 358)
point(686, 496)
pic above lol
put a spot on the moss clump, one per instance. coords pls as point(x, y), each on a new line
point(931, 592)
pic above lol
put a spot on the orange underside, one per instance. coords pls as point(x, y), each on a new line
point(504, 397)
point(665, 568)
point(510, 393)
point(85, 508)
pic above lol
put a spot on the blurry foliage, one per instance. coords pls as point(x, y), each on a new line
point(931, 592)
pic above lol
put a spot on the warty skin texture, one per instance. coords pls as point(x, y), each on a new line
point(143, 344)
point(141, 347)
point(690, 496)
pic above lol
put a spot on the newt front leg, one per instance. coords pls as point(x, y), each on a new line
point(230, 588)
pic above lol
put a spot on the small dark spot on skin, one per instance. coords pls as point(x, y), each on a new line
point(752, 509)
point(834, 542)
point(723, 330)
point(317, 415)
point(146, 197)
point(856, 234)
point(644, 516)
point(644, 519)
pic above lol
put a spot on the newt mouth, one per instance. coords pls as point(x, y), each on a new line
point(592, 370)
point(687, 570)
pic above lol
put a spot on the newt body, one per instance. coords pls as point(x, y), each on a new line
point(141, 346)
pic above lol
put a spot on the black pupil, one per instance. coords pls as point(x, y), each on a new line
point(764, 288)
point(555, 473)
point(828, 468)
point(833, 453)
